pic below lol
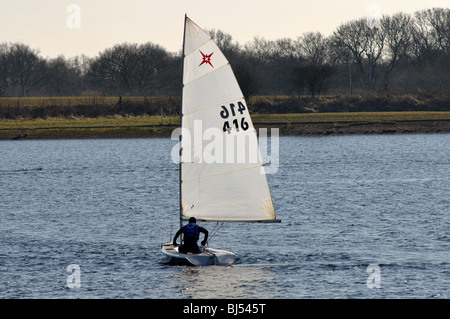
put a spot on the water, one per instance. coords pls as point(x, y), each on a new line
point(357, 212)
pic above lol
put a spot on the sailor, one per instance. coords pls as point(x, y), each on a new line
point(191, 234)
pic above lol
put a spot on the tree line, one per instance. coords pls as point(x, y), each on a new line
point(400, 53)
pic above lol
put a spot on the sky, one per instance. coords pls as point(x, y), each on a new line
point(75, 27)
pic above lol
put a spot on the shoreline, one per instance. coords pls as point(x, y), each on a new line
point(376, 128)
point(328, 128)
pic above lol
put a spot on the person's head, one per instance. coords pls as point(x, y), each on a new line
point(192, 220)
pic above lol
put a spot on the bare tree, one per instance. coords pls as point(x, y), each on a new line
point(115, 67)
point(260, 51)
point(226, 44)
point(316, 77)
point(152, 60)
point(26, 68)
point(431, 33)
point(285, 50)
point(403, 52)
point(81, 65)
point(272, 61)
point(441, 24)
point(62, 77)
point(246, 78)
point(4, 69)
point(315, 69)
point(130, 68)
point(314, 47)
point(398, 32)
point(363, 43)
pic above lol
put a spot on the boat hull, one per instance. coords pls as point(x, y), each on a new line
point(208, 257)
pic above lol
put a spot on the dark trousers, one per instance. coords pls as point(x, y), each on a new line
point(189, 247)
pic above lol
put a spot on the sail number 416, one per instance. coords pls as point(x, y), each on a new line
point(235, 123)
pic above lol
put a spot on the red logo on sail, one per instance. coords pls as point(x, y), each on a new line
point(206, 58)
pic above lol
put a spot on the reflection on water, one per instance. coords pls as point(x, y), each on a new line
point(227, 282)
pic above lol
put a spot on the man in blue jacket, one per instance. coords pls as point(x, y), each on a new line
point(191, 234)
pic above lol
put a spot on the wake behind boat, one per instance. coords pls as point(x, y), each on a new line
point(222, 176)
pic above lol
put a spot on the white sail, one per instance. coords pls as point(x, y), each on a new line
point(222, 174)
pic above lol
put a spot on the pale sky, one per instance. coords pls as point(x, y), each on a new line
point(48, 26)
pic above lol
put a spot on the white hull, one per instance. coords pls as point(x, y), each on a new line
point(210, 256)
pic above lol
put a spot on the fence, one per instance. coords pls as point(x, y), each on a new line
point(35, 107)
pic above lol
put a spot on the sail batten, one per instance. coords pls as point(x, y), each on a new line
point(211, 106)
point(224, 173)
point(206, 142)
point(187, 83)
point(219, 182)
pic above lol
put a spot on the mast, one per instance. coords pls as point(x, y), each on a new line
point(181, 118)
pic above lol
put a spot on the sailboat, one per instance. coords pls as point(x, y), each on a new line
point(222, 175)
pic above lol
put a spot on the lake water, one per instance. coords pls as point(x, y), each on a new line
point(362, 217)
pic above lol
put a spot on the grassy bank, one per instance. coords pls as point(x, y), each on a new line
point(289, 124)
point(97, 127)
